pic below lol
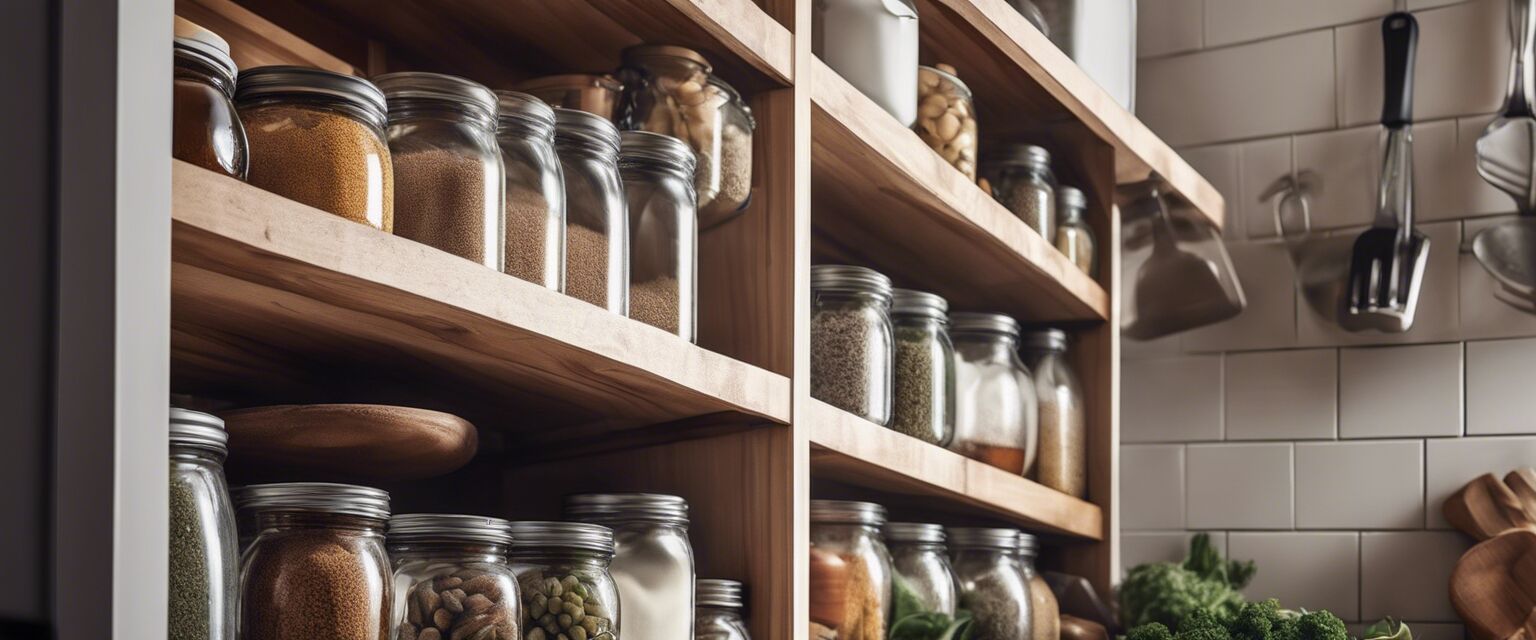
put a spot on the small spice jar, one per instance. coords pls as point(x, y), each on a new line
point(592, 93)
point(924, 379)
point(317, 137)
point(652, 559)
point(667, 91)
point(204, 565)
point(717, 616)
point(597, 222)
point(1020, 179)
point(1073, 236)
point(448, 174)
point(1062, 461)
point(946, 118)
point(318, 568)
point(852, 346)
point(657, 172)
point(535, 190)
point(562, 573)
point(736, 127)
point(1045, 614)
point(850, 577)
point(996, 409)
point(205, 130)
point(452, 577)
point(991, 582)
point(922, 576)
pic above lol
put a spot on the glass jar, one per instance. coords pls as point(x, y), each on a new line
point(204, 568)
point(718, 613)
point(657, 174)
point(451, 574)
point(1045, 614)
point(562, 574)
point(318, 567)
point(924, 379)
point(592, 93)
point(667, 91)
point(852, 347)
point(535, 190)
point(205, 130)
point(1019, 177)
point(991, 583)
point(946, 117)
point(652, 559)
point(922, 570)
point(1073, 236)
point(449, 191)
point(736, 127)
point(317, 137)
point(996, 409)
point(596, 221)
point(1062, 463)
point(872, 44)
point(850, 575)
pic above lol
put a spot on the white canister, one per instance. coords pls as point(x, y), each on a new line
point(872, 44)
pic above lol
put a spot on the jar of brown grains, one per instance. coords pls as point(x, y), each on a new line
point(1062, 462)
point(597, 222)
point(205, 130)
point(736, 127)
point(657, 172)
point(852, 347)
point(1020, 179)
point(535, 190)
point(452, 579)
point(667, 91)
point(1073, 235)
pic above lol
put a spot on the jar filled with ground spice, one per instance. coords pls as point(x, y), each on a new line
point(850, 570)
point(718, 613)
point(852, 347)
point(1045, 614)
point(991, 583)
point(996, 409)
point(597, 222)
point(318, 568)
point(593, 93)
point(452, 578)
point(449, 187)
point(925, 369)
point(205, 130)
point(657, 172)
point(535, 191)
point(1019, 177)
point(922, 571)
point(1073, 235)
point(1063, 460)
point(736, 127)
point(652, 559)
point(562, 573)
point(317, 137)
point(667, 91)
point(204, 568)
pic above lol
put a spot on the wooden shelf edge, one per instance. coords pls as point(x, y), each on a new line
point(747, 31)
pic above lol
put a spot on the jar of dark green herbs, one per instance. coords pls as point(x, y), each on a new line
point(992, 583)
point(852, 351)
point(925, 367)
point(204, 567)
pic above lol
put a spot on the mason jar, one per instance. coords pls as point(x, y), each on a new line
point(205, 130)
point(249, 502)
point(597, 223)
point(946, 117)
point(736, 127)
point(924, 380)
point(1062, 463)
point(318, 568)
point(850, 569)
point(852, 346)
point(717, 616)
point(1074, 238)
point(991, 583)
point(996, 408)
point(657, 172)
point(597, 94)
point(921, 566)
point(873, 44)
point(535, 190)
point(562, 574)
point(451, 575)
point(204, 565)
point(1020, 179)
point(1045, 612)
point(667, 91)
point(652, 559)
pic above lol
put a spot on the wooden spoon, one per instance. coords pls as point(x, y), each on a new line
point(1522, 482)
point(1485, 508)
point(352, 441)
point(1493, 587)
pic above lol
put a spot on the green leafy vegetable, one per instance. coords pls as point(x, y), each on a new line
point(1262, 621)
point(1387, 629)
point(911, 621)
point(1168, 592)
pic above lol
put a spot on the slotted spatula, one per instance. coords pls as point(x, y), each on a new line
point(1506, 152)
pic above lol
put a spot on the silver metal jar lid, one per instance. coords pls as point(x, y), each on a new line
point(198, 429)
point(1018, 154)
point(991, 538)
point(914, 532)
point(1029, 545)
point(644, 148)
point(605, 508)
point(1071, 199)
point(908, 302)
point(530, 536)
point(642, 51)
point(437, 527)
point(575, 125)
point(204, 45)
point(950, 78)
point(968, 321)
point(516, 106)
point(318, 497)
point(282, 80)
point(712, 592)
point(1044, 340)
point(842, 277)
point(405, 86)
point(847, 512)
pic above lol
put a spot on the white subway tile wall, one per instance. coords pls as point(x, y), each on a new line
point(1303, 569)
point(1376, 484)
point(1390, 392)
point(1499, 395)
point(1239, 486)
point(1263, 163)
point(1282, 395)
point(1152, 487)
point(1451, 464)
point(1194, 383)
point(1404, 574)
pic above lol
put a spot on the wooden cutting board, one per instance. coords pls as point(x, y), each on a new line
point(1493, 587)
point(350, 441)
point(1486, 508)
point(1522, 482)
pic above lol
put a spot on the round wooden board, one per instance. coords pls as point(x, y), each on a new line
point(1493, 587)
point(361, 441)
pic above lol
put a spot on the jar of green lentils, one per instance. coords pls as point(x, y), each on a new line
point(562, 575)
point(924, 381)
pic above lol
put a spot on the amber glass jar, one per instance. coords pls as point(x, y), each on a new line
point(205, 130)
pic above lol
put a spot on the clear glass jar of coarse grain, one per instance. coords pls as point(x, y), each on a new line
point(1045, 614)
point(922, 568)
point(652, 559)
point(596, 219)
point(991, 582)
point(667, 91)
point(997, 413)
point(1063, 460)
point(852, 346)
point(925, 367)
point(318, 568)
point(736, 127)
point(1019, 177)
point(317, 137)
point(452, 576)
point(657, 172)
point(946, 117)
point(204, 565)
point(205, 130)
point(717, 616)
point(449, 187)
point(850, 577)
point(535, 191)
point(594, 94)
point(1073, 235)
point(562, 574)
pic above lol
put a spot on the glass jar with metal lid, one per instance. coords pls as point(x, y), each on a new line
point(991, 582)
point(657, 172)
point(205, 130)
point(717, 616)
point(318, 568)
point(996, 409)
point(1062, 463)
point(652, 559)
point(667, 91)
point(873, 44)
point(597, 94)
point(317, 137)
point(922, 570)
point(596, 219)
point(204, 565)
point(735, 160)
point(946, 117)
point(1045, 613)
point(535, 190)
point(449, 187)
point(852, 346)
point(1073, 235)
point(924, 380)
point(451, 575)
point(850, 576)
point(562, 573)
point(1020, 179)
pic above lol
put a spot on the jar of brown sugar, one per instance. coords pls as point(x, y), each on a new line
point(657, 172)
point(317, 137)
point(205, 130)
point(597, 225)
point(535, 190)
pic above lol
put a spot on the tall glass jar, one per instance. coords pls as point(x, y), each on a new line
point(946, 117)
point(991, 582)
point(1063, 460)
point(449, 189)
point(318, 568)
point(204, 568)
point(1073, 236)
point(452, 576)
point(1019, 177)
point(317, 137)
point(996, 410)
point(667, 91)
point(852, 347)
point(652, 559)
point(657, 171)
point(1045, 613)
point(718, 613)
point(597, 222)
point(535, 190)
point(736, 127)
point(562, 573)
point(873, 44)
point(925, 367)
point(922, 570)
point(205, 130)
point(850, 569)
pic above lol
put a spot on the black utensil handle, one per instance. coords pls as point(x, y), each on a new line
point(1400, 41)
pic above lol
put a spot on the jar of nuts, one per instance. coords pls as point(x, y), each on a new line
point(667, 91)
point(562, 574)
point(452, 578)
point(946, 117)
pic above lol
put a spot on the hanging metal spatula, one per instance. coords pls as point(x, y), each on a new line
point(1506, 152)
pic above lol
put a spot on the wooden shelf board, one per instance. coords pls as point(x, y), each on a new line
point(854, 451)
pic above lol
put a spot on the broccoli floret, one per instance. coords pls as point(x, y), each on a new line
point(1286, 627)
point(1256, 621)
point(1321, 625)
point(1150, 631)
point(1200, 619)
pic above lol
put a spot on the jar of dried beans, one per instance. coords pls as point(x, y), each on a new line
point(597, 224)
point(850, 577)
point(924, 380)
point(717, 616)
point(452, 577)
point(922, 568)
point(317, 137)
point(1062, 462)
point(736, 127)
point(992, 583)
point(996, 409)
point(1073, 235)
point(667, 91)
point(1045, 613)
point(562, 574)
point(946, 118)
point(657, 172)
point(204, 562)
point(535, 190)
point(852, 347)
point(205, 130)
point(652, 559)
point(1019, 177)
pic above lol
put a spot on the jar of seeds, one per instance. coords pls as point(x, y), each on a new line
point(1073, 235)
point(667, 91)
point(657, 172)
point(996, 409)
point(850, 576)
point(1063, 460)
point(921, 566)
point(652, 559)
point(1020, 179)
point(925, 370)
point(992, 583)
point(736, 127)
point(205, 130)
point(562, 574)
point(946, 118)
point(452, 577)
point(597, 222)
point(852, 347)
point(525, 130)
point(1044, 610)
point(204, 565)
point(718, 613)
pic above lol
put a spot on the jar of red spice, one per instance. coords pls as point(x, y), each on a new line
point(205, 130)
